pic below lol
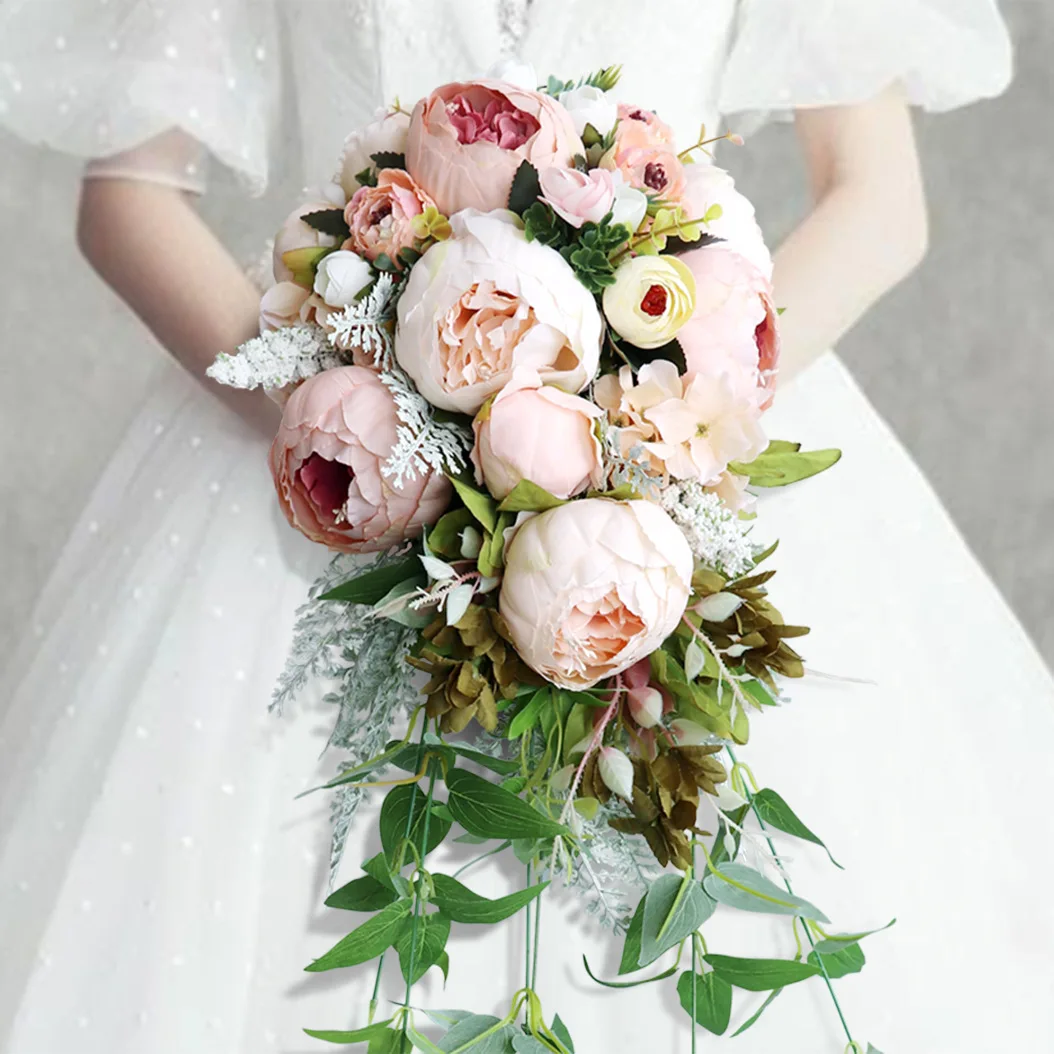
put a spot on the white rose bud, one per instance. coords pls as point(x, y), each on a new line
point(341, 276)
point(651, 298)
point(630, 205)
point(514, 71)
point(616, 770)
point(589, 105)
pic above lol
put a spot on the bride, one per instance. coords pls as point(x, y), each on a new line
point(160, 886)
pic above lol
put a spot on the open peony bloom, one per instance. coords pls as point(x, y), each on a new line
point(646, 161)
point(706, 185)
point(735, 327)
point(539, 433)
point(287, 304)
point(467, 139)
point(386, 134)
point(381, 217)
point(487, 301)
point(643, 126)
point(338, 428)
point(592, 587)
point(691, 426)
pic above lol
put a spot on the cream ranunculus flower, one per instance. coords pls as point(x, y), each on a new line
point(651, 298)
point(593, 586)
point(487, 301)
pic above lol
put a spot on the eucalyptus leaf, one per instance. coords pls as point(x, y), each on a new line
point(524, 1044)
point(358, 1035)
point(448, 1018)
point(761, 975)
point(462, 905)
point(487, 810)
point(361, 894)
point(432, 932)
point(478, 1035)
point(848, 959)
point(529, 497)
point(713, 1000)
point(422, 1042)
point(832, 942)
point(774, 811)
point(405, 806)
point(367, 941)
point(481, 505)
point(373, 585)
point(674, 908)
point(739, 886)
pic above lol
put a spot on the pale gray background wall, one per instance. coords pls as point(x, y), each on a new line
point(959, 360)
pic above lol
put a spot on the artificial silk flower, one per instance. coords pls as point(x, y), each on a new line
point(651, 298)
point(341, 276)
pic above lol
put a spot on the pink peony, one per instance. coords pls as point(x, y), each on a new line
point(642, 126)
point(381, 217)
point(735, 327)
point(579, 197)
point(287, 304)
point(656, 170)
point(338, 428)
point(539, 433)
point(467, 140)
point(593, 586)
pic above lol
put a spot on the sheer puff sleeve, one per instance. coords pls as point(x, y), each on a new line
point(790, 54)
point(145, 85)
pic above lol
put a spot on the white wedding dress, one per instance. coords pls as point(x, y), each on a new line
point(161, 888)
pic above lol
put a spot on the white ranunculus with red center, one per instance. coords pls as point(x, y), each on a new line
point(651, 298)
point(485, 302)
point(533, 431)
point(594, 586)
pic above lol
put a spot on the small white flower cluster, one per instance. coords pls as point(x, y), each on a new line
point(713, 531)
point(277, 358)
point(422, 442)
point(366, 323)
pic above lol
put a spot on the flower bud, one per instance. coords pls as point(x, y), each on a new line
point(616, 770)
point(645, 705)
point(341, 276)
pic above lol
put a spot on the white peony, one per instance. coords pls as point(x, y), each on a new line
point(589, 105)
point(487, 301)
point(387, 133)
point(341, 276)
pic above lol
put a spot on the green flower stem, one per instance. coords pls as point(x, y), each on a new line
point(695, 964)
point(537, 941)
point(819, 958)
point(527, 944)
point(483, 856)
point(376, 989)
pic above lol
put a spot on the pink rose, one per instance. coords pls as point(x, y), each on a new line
point(579, 197)
point(539, 433)
point(338, 428)
point(381, 217)
point(467, 140)
point(593, 586)
point(642, 126)
point(296, 234)
point(286, 304)
point(735, 327)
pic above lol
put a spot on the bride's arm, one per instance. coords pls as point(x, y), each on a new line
point(867, 231)
point(147, 241)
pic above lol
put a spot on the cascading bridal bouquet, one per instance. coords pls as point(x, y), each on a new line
point(524, 347)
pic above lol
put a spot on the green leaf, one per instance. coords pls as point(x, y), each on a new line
point(524, 1044)
point(761, 975)
point(873, 1050)
point(367, 941)
point(481, 505)
point(383, 262)
point(432, 933)
point(359, 1035)
point(719, 854)
point(491, 812)
point(478, 1035)
point(377, 868)
point(501, 766)
point(848, 959)
point(391, 1042)
point(739, 886)
point(753, 1019)
point(526, 188)
point(448, 1018)
point(366, 178)
point(527, 718)
point(445, 536)
point(328, 221)
point(388, 159)
point(375, 584)
point(561, 1033)
point(361, 894)
point(304, 263)
point(780, 467)
point(632, 946)
point(773, 810)
point(713, 1000)
point(462, 905)
point(541, 223)
point(833, 942)
point(492, 556)
point(529, 497)
point(396, 811)
point(674, 908)
point(422, 1042)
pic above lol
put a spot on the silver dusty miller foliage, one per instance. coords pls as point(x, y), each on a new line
point(367, 323)
point(277, 358)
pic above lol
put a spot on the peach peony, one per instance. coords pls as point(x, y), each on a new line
point(539, 433)
point(381, 217)
point(735, 327)
point(592, 587)
point(642, 126)
point(486, 301)
point(656, 170)
point(338, 428)
point(467, 140)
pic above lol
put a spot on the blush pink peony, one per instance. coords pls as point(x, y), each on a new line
point(643, 126)
point(593, 586)
point(735, 326)
point(579, 197)
point(381, 218)
point(338, 428)
point(287, 304)
point(656, 170)
point(539, 433)
point(467, 139)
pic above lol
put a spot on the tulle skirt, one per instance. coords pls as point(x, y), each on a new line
point(161, 885)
